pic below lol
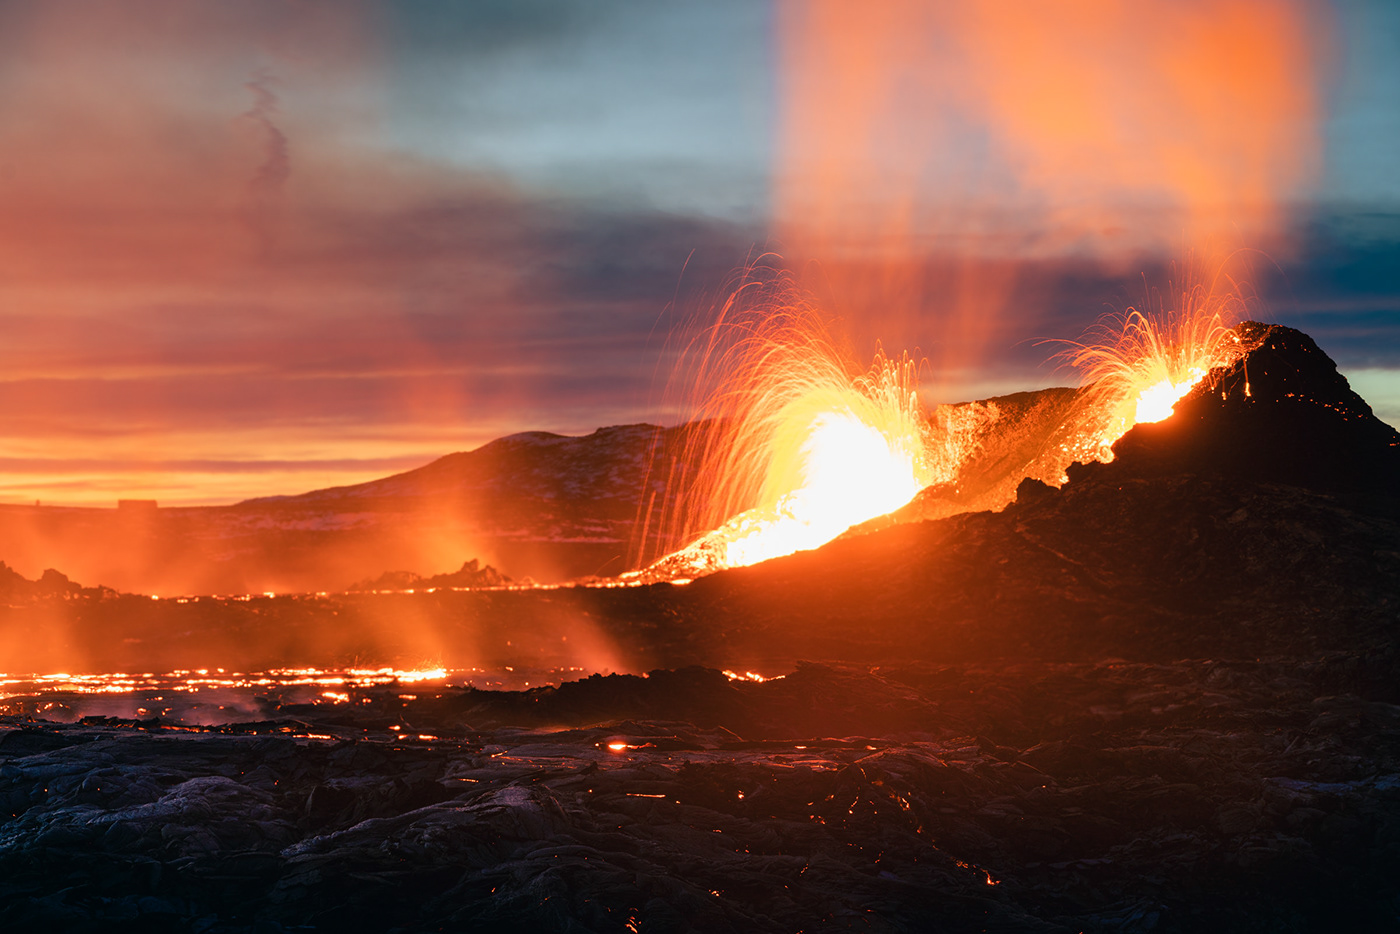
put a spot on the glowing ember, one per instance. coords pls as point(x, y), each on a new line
point(750, 676)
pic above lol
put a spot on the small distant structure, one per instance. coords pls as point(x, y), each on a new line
point(136, 507)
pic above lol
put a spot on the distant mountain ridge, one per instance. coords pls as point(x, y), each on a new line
point(604, 465)
point(535, 504)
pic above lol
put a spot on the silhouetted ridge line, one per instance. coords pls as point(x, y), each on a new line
point(1281, 413)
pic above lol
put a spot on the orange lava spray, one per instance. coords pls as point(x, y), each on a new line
point(1137, 365)
point(796, 443)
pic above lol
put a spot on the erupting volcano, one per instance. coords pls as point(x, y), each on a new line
point(1031, 707)
point(797, 448)
point(1143, 364)
point(894, 593)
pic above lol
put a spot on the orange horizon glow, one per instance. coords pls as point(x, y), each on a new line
point(221, 280)
point(216, 469)
point(205, 314)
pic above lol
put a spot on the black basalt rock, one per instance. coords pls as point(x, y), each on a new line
point(1280, 413)
point(29, 742)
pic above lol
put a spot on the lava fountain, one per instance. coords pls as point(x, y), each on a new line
point(798, 444)
point(1138, 365)
point(839, 451)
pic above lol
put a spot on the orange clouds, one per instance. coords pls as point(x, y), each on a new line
point(219, 279)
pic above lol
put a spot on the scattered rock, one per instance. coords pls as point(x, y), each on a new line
point(469, 575)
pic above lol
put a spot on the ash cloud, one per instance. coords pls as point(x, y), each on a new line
point(266, 186)
point(933, 155)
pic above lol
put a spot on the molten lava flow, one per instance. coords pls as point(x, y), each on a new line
point(750, 676)
point(849, 471)
point(799, 449)
point(837, 455)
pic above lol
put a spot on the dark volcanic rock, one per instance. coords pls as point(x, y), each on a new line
point(813, 699)
point(52, 584)
point(19, 743)
point(1139, 568)
point(1194, 796)
point(1281, 413)
point(471, 574)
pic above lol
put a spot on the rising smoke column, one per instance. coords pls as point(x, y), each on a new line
point(266, 185)
point(928, 152)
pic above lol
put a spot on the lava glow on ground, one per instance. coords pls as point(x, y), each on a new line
point(214, 695)
point(375, 699)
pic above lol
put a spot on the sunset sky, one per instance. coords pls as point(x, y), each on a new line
point(265, 247)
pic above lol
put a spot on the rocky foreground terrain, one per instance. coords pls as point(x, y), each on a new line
point(1200, 795)
point(1163, 698)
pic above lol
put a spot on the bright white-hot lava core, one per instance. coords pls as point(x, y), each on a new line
point(1157, 401)
point(800, 446)
point(850, 472)
point(830, 451)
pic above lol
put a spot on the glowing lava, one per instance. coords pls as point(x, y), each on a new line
point(850, 471)
point(800, 447)
point(1157, 401)
point(837, 455)
point(1143, 364)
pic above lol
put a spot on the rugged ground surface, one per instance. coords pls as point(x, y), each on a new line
point(1199, 795)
